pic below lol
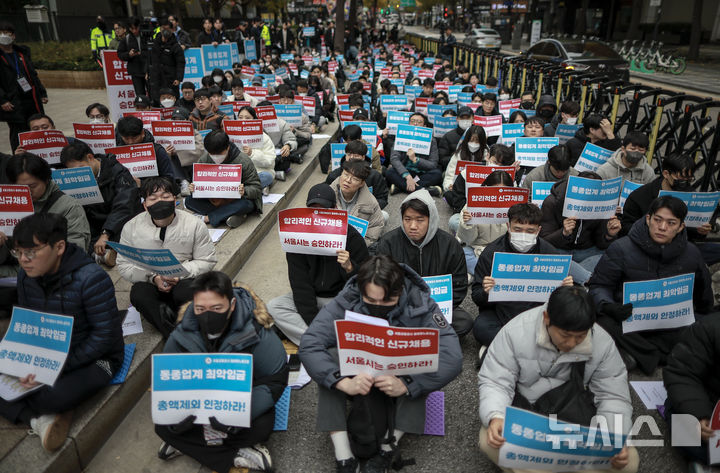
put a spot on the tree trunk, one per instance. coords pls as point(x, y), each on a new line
point(352, 14)
point(634, 29)
point(696, 30)
point(340, 26)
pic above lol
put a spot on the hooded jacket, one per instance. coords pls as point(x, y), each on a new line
point(614, 167)
point(415, 308)
point(70, 208)
point(161, 157)
point(82, 290)
point(439, 253)
point(168, 63)
point(523, 358)
point(577, 143)
point(637, 257)
point(545, 101)
point(543, 173)
point(375, 182)
point(313, 276)
point(366, 208)
point(587, 233)
point(250, 179)
point(508, 309)
point(243, 335)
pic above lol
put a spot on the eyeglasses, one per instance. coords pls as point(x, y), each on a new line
point(29, 254)
point(350, 178)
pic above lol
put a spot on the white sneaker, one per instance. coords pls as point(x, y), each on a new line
point(184, 188)
point(52, 429)
point(256, 457)
point(266, 191)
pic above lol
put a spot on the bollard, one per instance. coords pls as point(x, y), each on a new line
point(654, 131)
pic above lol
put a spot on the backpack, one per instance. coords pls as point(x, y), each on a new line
point(370, 418)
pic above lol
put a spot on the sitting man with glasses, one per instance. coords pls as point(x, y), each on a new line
point(57, 276)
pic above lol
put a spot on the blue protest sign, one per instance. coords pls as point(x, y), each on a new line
point(533, 441)
point(660, 303)
point(157, 260)
point(194, 71)
point(589, 199)
point(354, 76)
point(564, 132)
point(359, 224)
point(701, 205)
point(79, 183)
point(592, 157)
point(399, 83)
point(628, 187)
point(204, 133)
point(304, 74)
point(337, 151)
point(511, 132)
point(203, 385)
point(441, 293)
point(443, 125)
point(533, 151)
point(429, 60)
point(395, 118)
point(393, 102)
point(380, 65)
point(484, 89)
point(464, 98)
point(369, 130)
point(527, 276)
point(528, 113)
point(540, 191)
point(217, 56)
point(286, 57)
point(234, 53)
point(308, 31)
point(35, 343)
point(453, 92)
point(436, 110)
point(292, 114)
point(251, 50)
point(412, 91)
point(416, 137)
point(228, 110)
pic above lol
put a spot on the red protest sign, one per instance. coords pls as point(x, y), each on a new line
point(308, 104)
point(15, 203)
point(475, 174)
point(147, 117)
point(421, 104)
point(491, 204)
point(97, 135)
point(244, 132)
point(312, 231)
point(138, 159)
point(258, 92)
point(505, 105)
point(45, 143)
point(217, 181)
point(346, 115)
point(247, 71)
point(342, 99)
point(425, 74)
point(378, 349)
point(269, 118)
point(492, 124)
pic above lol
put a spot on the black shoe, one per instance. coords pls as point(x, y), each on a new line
point(435, 191)
point(380, 463)
point(167, 452)
point(347, 466)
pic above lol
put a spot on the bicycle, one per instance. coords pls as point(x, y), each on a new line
point(663, 62)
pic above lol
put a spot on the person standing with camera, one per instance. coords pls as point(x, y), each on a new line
point(135, 53)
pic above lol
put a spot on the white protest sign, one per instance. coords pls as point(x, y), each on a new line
point(98, 136)
point(138, 159)
point(45, 143)
point(178, 133)
point(15, 203)
point(244, 132)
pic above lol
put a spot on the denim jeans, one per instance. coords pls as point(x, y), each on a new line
point(266, 179)
point(470, 258)
point(218, 215)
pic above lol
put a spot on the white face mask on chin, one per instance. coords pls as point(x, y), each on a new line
point(571, 120)
point(523, 242)
point(218, 158)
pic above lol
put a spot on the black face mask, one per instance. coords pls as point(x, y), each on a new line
point(212, 323)
point(681, 185)
point(633, 157)
point(380, 311)
point(529, 105)
point(547, 114)
point(162, 209)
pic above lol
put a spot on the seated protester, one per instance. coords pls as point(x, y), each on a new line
point(395, 293)
point(522, 237)
point(57, 276)
point(428, 86)
point(315, 279)
point(585, 240)
point(629, 160)
point(361, 115)
point(348, 134)
point(407, 165)
point(518, 116)
point(223, 319)
point(475, 237)
point(219, 79)
point(538, 352)
point(262, 156)
point(692, 380)
point(204, 116)
point(677, 175)
point(120, 195)
point(40, 122)
point(533, 127)
point(569, 111)
point(302, 86)
point(303, 133)
point(98, 113)
point(187, 99)
point(283, 141)
point(217, 97)
point(546, 109)
point(472, 148)
point(231, 212)
point(353, 195)
point(142, 103)
point(238, 89)
point(356, 150)
point(656, 247)
point(30, 170)
point(556, 168)
point(167, 98)
point(186, 158)
point(429, 251)
point(527, 100)
point(156, 297)
point(596, 130)
point(130, 131)
point(448, 143)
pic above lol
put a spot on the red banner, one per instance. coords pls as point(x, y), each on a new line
point(312, 231)
point(45, 143)
point(217, 180)
point(244, 132)
point(475, 174)
point(491, 204)
point(15, 203)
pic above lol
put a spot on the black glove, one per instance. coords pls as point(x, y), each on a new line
point(183, 426)
point(217, 425)
point(617, 312)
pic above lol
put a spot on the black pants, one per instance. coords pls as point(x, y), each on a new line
point(69, 391)
point(462, 321)
point(15, 128)
point(218, 457)
point(160, 308)
point(140, 85)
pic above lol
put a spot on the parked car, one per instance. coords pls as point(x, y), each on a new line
point(486, 38)
point(581, 55)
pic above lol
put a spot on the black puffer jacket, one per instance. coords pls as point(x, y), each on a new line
point(637, 257)
point(692, 377)
point(447, 144)
point(163, 160)
point(82, 290)
point(25, 103)
point(168, 64)
point(577, 144)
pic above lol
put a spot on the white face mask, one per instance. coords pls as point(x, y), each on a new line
point(571, 120)
point(217, 79)
point(5, 39)
point(465, 124)
point(167, 103)
point(218, 158)
point(504, 97)
point(523, 242)
point(473, 147)
point(302, 94)
point(96, 120)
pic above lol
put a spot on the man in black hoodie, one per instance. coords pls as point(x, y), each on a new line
point(315, 280)
point(596, 130)
point(656, 247)
point(120, 194)
point(130, 131)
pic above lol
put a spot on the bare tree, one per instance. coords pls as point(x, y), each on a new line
point(340, 25)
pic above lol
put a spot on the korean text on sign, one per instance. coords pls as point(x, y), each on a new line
point(359, 224)
point(491, 204)
point(701, 206)
point(536, 442)
point(533, 152)
point(369, 130)
point(382, 350)
point(120, 91)
point(204, 385)
point(395, 118)
point(527, 277)
point(79, 183)
point(417, 138)
point(589, 199)
point(45, 143)
point(244, 132)
point(157, 260)
point(475, 174)
point(138, 159)
point(98, 136)
point(540, 191)
point(217, 181)
point(178, 133)
point(627, 188)
point(592, 157)
point(292, 114)
point(36, 343)
point(441, 293)
point(660, 303)
point(15, 203)
point(313, 231)
point(564, 132)
point(491, 124)
point(511, 132)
